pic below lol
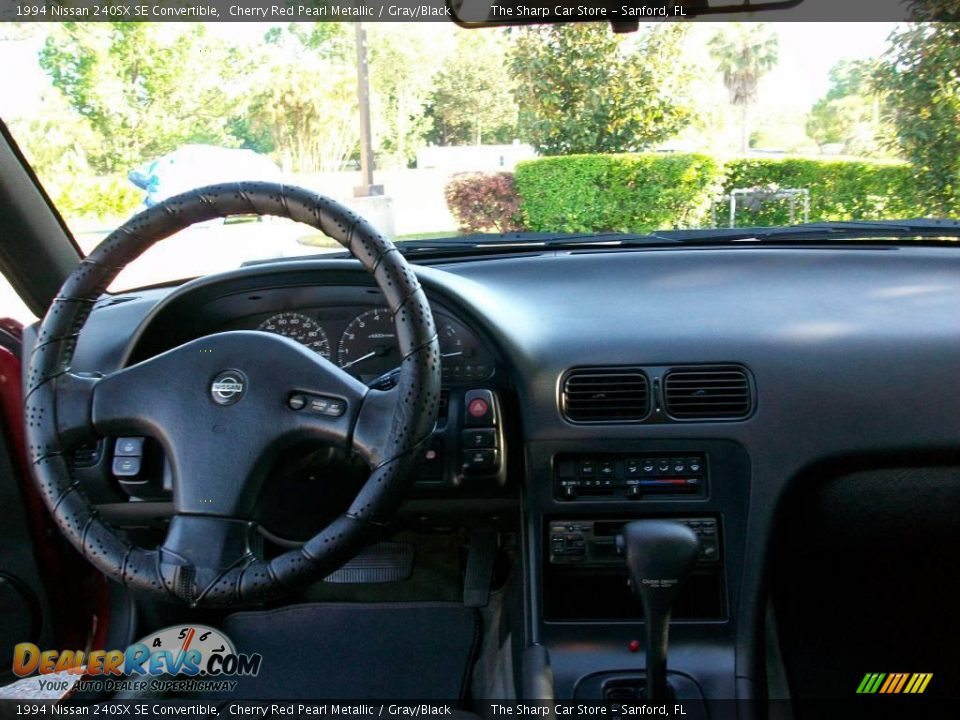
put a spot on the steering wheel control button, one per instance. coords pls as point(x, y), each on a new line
point(480, 438)
point(126, 467)
point(228, 387)
point(480, 411)
point(328, 406)
point(128, 447)
point(317, 404)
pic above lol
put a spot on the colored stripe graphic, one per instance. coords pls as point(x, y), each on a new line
point(918, 683)
point(903, 679)
point(870, 683)
point(894, 683)
point(892, 679)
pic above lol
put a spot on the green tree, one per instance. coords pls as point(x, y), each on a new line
point(145, 88)
point(471, 100)
point(400, 60)
point(921, 85)
point(583, 89)
point(744, 53)
point(303, 102)
point(56, 140)
point(849, 113)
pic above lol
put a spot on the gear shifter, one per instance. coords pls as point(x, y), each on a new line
point(660, 556)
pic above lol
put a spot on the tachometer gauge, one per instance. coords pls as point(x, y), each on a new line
point(368, 345)
point(300, 328)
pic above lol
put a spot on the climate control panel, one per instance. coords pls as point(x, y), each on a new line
point(630, 476)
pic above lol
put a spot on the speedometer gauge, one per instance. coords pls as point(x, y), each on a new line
point(299, 327)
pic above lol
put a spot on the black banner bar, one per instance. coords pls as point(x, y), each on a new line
point(870, 706)
point(471, 12)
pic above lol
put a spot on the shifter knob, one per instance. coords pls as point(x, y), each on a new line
point(660, 556)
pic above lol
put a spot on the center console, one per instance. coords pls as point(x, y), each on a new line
point(583, 610)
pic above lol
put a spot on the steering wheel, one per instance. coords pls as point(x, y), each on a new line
point(223, 407)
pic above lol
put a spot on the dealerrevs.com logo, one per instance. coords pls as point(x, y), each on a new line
point(197, 656)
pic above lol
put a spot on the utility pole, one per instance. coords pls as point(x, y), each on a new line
point(366, 186)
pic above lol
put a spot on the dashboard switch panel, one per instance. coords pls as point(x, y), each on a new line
point(481, 435)
point(630, 476)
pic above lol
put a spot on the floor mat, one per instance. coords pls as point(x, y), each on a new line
point(358, 650)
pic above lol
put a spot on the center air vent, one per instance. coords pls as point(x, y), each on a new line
point(719, 392)
point(610, 394)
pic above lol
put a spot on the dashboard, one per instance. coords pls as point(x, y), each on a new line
point(849, 354)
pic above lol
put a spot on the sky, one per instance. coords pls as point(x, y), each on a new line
point(807, 52)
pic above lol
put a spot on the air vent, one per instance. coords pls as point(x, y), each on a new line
point(616, 394)
point(707, 393)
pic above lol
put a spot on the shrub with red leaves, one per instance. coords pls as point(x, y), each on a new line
point(484, 202)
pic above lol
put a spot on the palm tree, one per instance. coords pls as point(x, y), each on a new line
point(744, 53)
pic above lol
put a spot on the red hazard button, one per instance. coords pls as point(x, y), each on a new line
point(479, 408)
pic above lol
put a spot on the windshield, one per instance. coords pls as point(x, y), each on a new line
point(546, 129)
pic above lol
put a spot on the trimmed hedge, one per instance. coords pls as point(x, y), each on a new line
point(622, 193)
point(643, 192)
point(839, 189)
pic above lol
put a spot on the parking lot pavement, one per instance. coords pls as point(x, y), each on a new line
point(207, 248)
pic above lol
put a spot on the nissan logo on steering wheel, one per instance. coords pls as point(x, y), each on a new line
point(228, 387)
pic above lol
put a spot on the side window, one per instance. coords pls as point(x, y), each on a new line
point(11, 306)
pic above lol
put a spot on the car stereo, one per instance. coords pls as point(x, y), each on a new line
point(593, 543)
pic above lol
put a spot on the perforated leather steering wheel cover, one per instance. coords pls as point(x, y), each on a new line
point(418, 392)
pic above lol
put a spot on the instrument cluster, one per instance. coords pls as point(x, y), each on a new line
point(362, 340)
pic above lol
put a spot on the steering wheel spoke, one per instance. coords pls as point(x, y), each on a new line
point(64, 401)
point(200, 551)
point(223, 412)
